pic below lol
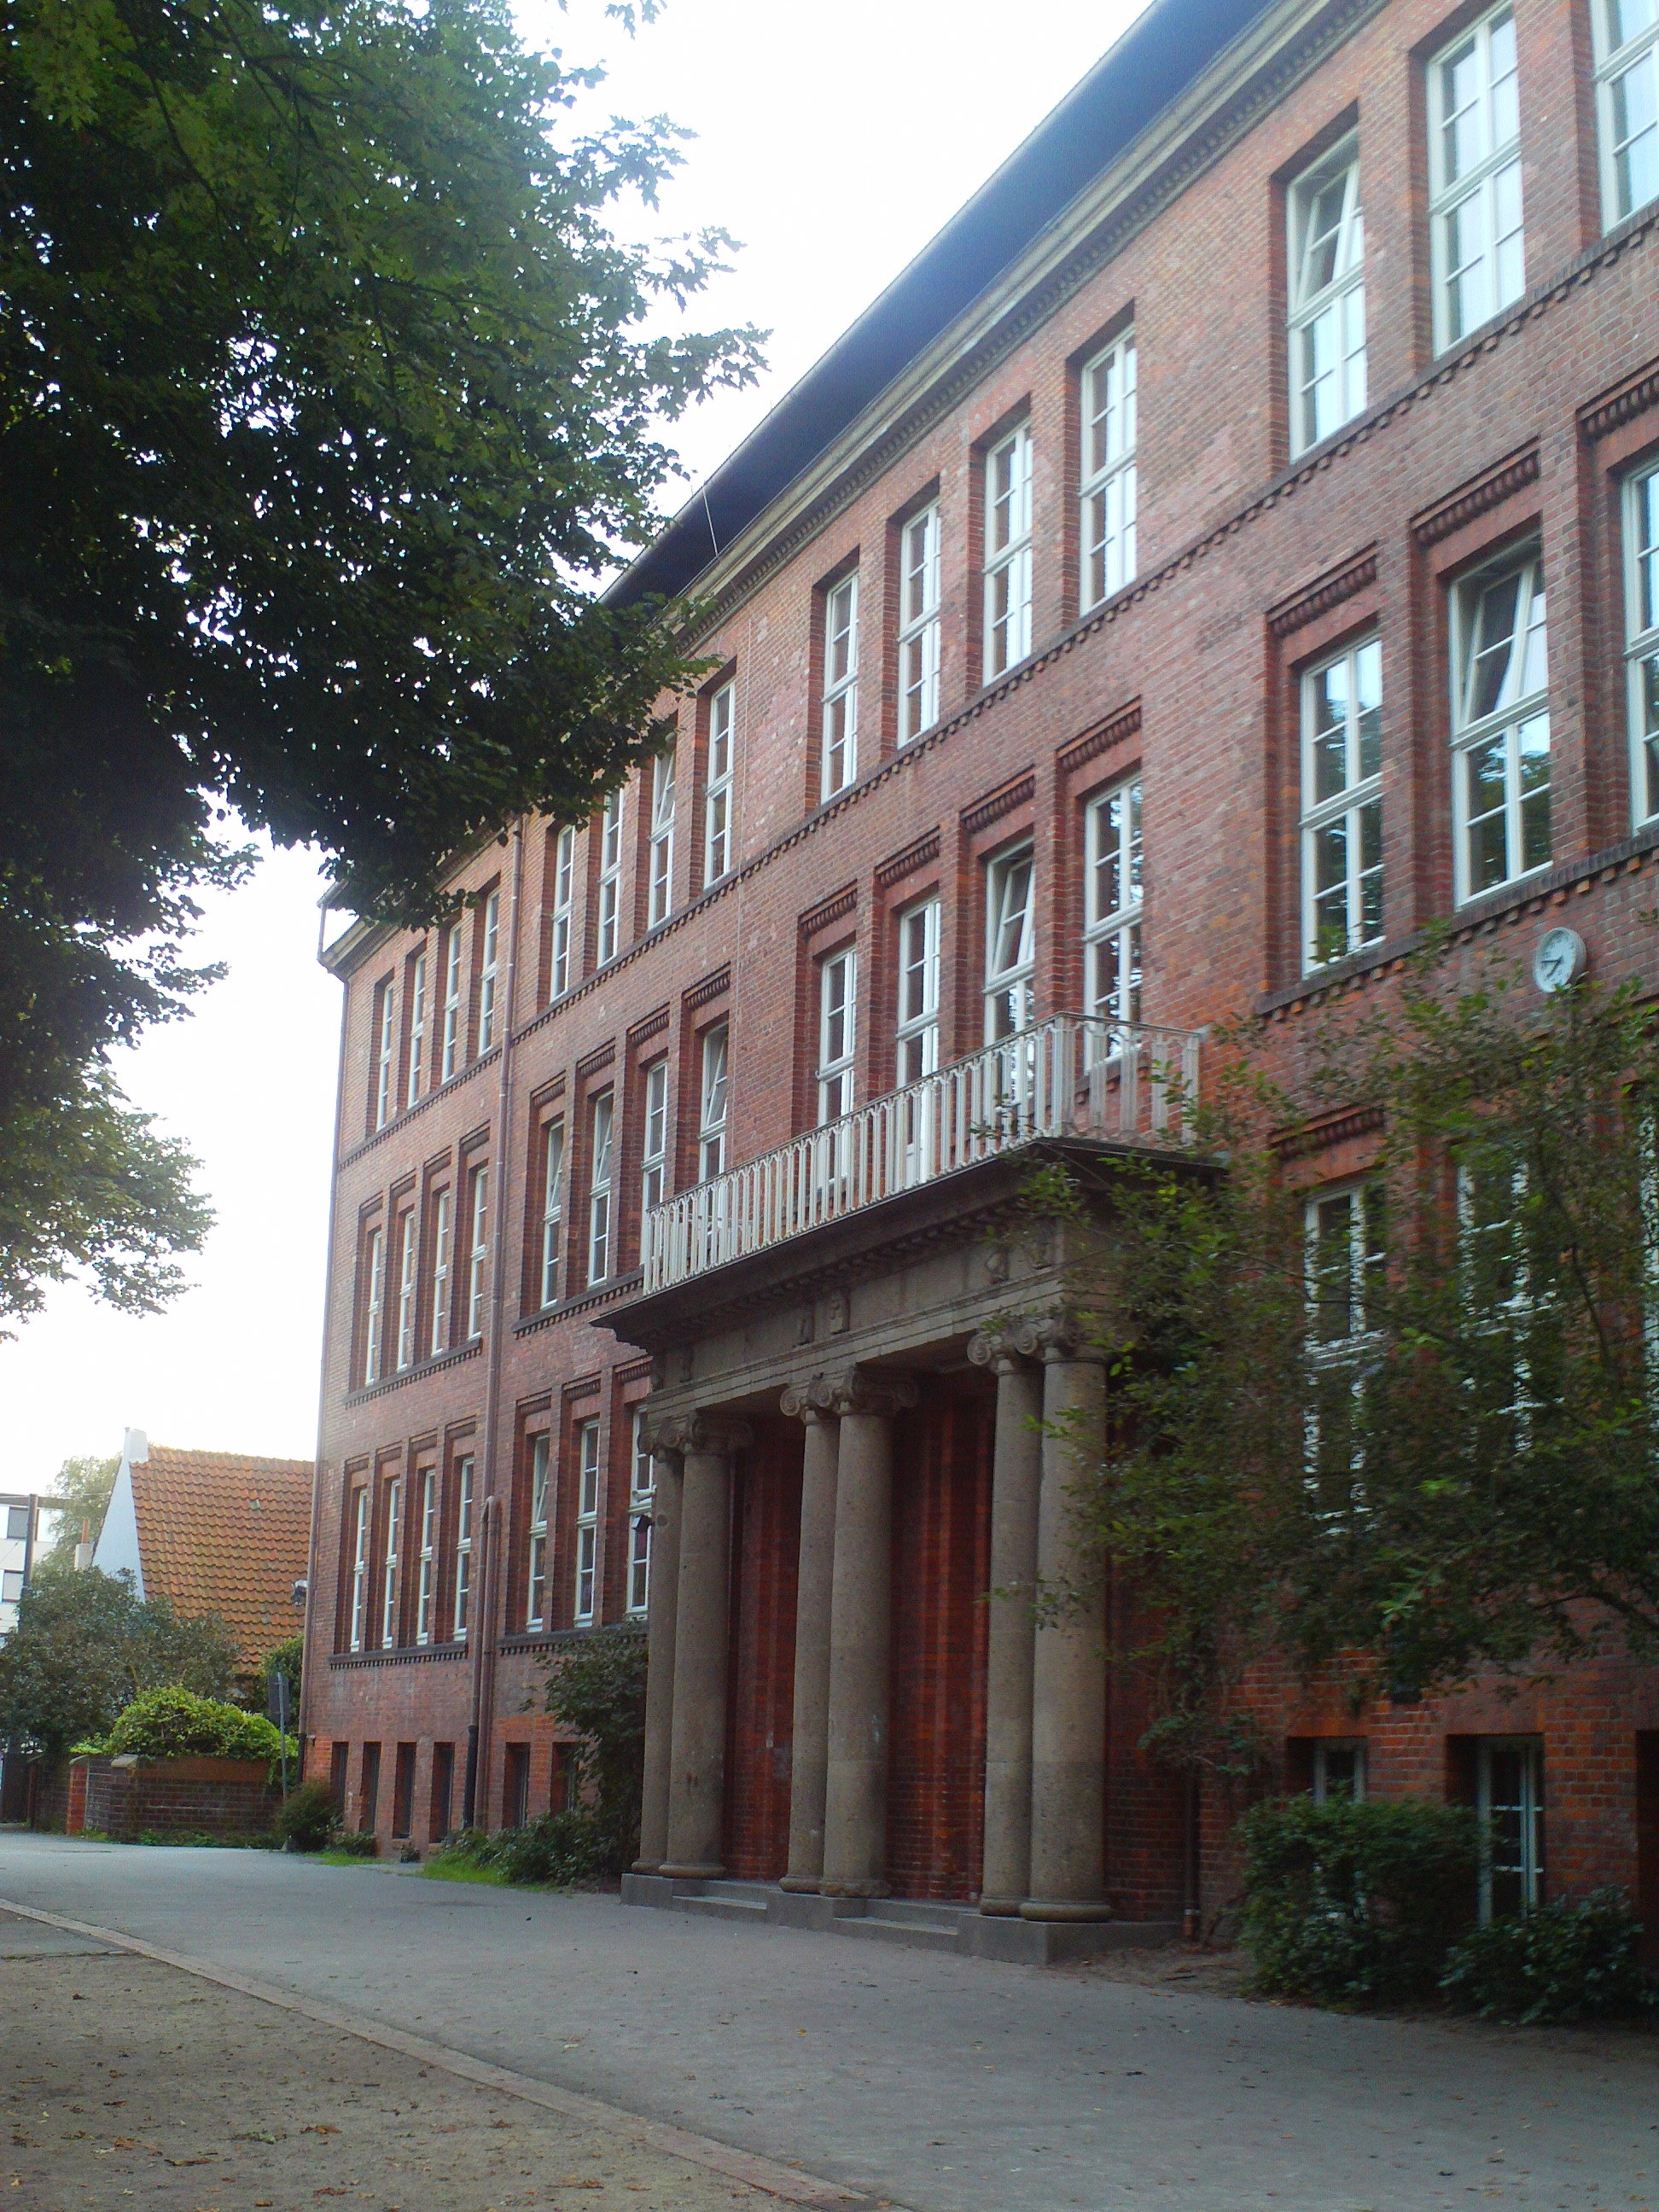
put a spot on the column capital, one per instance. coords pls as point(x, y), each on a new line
point(996, 1346)
point(670, 1436)
point(796, 1404)
point(862, 1390)
point(1057, 1337)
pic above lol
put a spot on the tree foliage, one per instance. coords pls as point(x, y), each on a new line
point(1414, 1433)
point(82, 1486)
point(326, 396)
point(596, 1689)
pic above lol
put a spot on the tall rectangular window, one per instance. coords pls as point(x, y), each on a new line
point(463, 1545)
point(654, 1152)
point(837, 1033)
point(489, 970)
point(443, 1230)
point(564, 893)
point(840, 723)
point(1344, 1254)
point(373, 1303)
point(1106, 537)
point(588, 1518)
point(918, 992)
point(1007, 552)
point(408, 1249)
point(1627, 42)
point(416, 1026)
point(1500, 725)
point(425, 1585)
point(359, 1567)
point(660, 893)
point(1342, 805)
point(1641, 634)
point(919, 625)
point(714, 1091)
point(386, 1007)
point(599, 1187)
point(1338, 1775)
point(641, 1497)
point(394, 1537)
point(477, 1262)
point(536, 1598)
point(1474, 170)
point(454, 1024)
point(552, 1211)
point(1327, 297)
point(717, 788)
point(611, 853)
point(1010, 946)
point(1112, 903)
point(1509, 1798)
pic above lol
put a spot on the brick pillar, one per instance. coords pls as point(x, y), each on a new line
point(861, 1631)
point(1068, 1674)
point(696, 1786)
point(810, 1752)
point(1016, 1488)
point(659, 1675)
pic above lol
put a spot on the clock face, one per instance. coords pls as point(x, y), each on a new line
point(1559, 959)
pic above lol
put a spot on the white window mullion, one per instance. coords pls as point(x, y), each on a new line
point(1007, 552)
point(360, 1568)
point(1501, 796)
point(375, 1272)
point(564, 893)
point(1112, 904)
point(463, 1547)
point(611, 853)
point(1342, 805)
point(1010, 946)
point(1328, 299)
point(837, 1034)
point(416, 1026)
point(1475, 163)
point(536, 1599)
point(425, 1586)
point(384, 1035)
point(714, 1090)
point(654, 1161)
point(394, 1513)
point(660, 894)
point(840, 721)
point(919, 625)
point(443, 1213)
point(478, 1269)
point(552, 1211)
point(488, 972)
point(1108, 496)
point(1627, 77)
point(454, 1047)
point(919, 992)
point(408, 1248)
point(599, 1187)
point(642, 1499)
point(717, 786)
point(1642, 635)
point(587, 1522)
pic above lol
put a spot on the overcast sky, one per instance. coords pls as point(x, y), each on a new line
point(833, 143)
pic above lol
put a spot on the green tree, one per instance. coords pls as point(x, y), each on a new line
point(1409, 1429)
point(597, 1688)
point(82, 1486)
point(326, 396)
point(86, 1645)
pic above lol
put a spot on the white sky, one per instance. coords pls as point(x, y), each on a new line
point(833, 143)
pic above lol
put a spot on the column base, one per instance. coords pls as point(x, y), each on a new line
point(871, 1887)
point(801, 1885)
point(691, 1870)
point(646, 1866)
point(1000, 1908)
point(1063, 1909)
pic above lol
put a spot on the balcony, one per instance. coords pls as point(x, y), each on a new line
point(1071, 1076)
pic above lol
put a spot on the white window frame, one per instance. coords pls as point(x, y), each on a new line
point(394, 1531)
point(916, 1038)
point(464, 1502)
point(717, 785)
point(490, 969)
point(714, 1100)
point(1517, 716)
point(1641, 537)
point(602, 1134)
point(564, 895)
point(919, 624)
point(1112, 903)
point(612, 818)
point(1010, 989)
point(375, 1303)
point(443, 1228)
point(588, 1522)
point(660, 894)
point(417, 1025)
point(836, 1075)
point(1614, 66)
point(1107, 497)
point(1353, 811)
point(552, 1211)
point(477, 1259)
point(426, 1587)
point(386, 1007)
point(838, 719)
point(641, 1501)
point(454, 1025)
point(1480, 182)
point(1328, 337)
point(360, 1568)
point(1329, 1353)
point(1007, 552)
point(408, 1285)
point(541, 1453)
point(654, 1136)
point(1529, 1866)
point(1326, 1787)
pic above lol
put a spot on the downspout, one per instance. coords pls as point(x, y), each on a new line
point(303, 1721)
point(1191, 1897)
point(479, 1731)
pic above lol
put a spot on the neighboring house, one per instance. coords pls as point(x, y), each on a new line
point(211, 1532)
point(27, 1527)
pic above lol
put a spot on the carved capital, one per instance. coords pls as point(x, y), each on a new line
point(796, 1403)
point(672, 1435)
point(863, 1390)
point(1057, 1336)
point(997, 1348)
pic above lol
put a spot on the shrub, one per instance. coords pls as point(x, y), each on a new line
point(558, 1850)
point(1576, 1959)
point(1356, 1903)
point(307, 1821)
point(168, 1724)
point(596, 1689)
point(356, 1843)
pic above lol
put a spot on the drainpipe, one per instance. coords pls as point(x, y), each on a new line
point(1192, 1898)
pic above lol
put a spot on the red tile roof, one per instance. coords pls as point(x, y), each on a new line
point(220, 1532)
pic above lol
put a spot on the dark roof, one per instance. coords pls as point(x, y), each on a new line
point(1157, 57)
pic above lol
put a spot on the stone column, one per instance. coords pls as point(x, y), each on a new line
point(855, 1783)
point(696, 1784)
point(1068, 1674)
point(1016, 1485)
point(665, 1481)
point(810, 1739)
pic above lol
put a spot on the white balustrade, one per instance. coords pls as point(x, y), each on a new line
point(1071, 1076)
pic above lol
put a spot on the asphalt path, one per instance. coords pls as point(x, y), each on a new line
point(932, 2082)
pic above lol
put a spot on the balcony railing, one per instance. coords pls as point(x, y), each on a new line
point(1069, 1077)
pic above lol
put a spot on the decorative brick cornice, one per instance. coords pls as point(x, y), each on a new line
point(829, 911)
point(1328, 1129)
point(712, 986)
point(984, 811)
point(421, 1367)
point(602, 1294)
point(643, 1031)
point(1123, 723)
point(400, 1122)
point(1478, 496)
point(1634, 395)
point(414, 1655)
point(917, 854)
point(600, 1057)
point(1324, 592)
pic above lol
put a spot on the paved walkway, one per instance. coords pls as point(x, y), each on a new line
point(934, 2082)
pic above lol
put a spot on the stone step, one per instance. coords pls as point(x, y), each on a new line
point(724, 1908)
point(923, 1912)
point(918, 1935)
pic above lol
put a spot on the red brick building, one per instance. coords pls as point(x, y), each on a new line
point(1138, 617)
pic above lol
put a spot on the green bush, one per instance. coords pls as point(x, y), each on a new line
point(168, 1724)
point(596, 1689)
point(1356, 1903)
point(306, 1822)
point(560, 1849)
point(356, 1843)
point(1576, 1959)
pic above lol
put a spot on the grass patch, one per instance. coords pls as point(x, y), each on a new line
point(339, 1858)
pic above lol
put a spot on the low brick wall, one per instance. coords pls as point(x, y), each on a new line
point(130, 1796)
